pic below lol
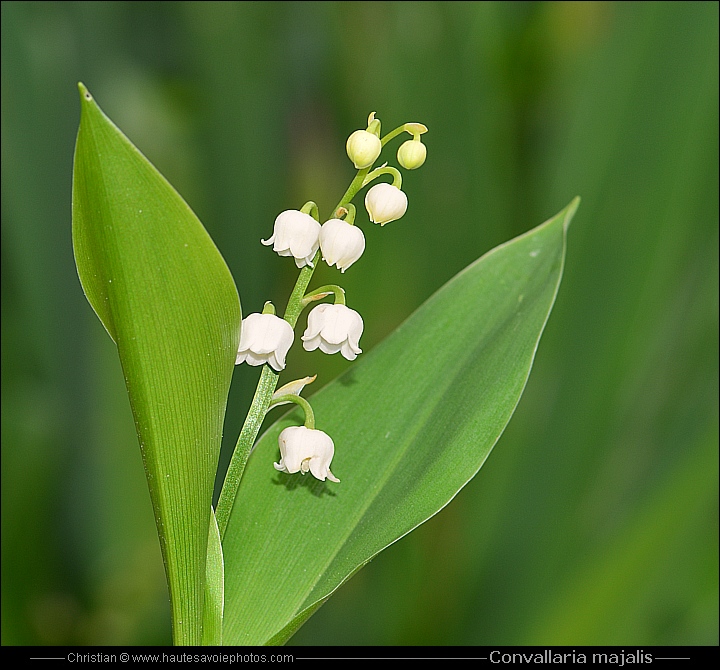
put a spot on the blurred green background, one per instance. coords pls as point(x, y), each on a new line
point(595, 520)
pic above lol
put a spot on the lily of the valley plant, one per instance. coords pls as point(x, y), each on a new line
point(333, 328)
point(331, 483)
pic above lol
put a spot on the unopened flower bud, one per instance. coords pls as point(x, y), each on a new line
point(385, 203)
point(363, 148)
point(341, 243)
point(411, 154)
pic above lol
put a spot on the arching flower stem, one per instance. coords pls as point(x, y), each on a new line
point(397, 177)
point(348, 211)
point(312, 209)
point(298, 400)
point(415, 129)
point(323, 292)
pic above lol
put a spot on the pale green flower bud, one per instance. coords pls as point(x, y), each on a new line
point(412, 154)
point(363, 148)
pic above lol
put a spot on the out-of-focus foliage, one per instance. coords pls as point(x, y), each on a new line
point(599, 506)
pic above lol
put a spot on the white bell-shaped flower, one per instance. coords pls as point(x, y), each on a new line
point(341, 243)
point(306, 449)
point(334, 328)
point(264, 338)
point(295, 234)
point(385, 203)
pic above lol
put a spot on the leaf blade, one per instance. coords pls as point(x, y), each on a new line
point(164, 294)
point(428, 384)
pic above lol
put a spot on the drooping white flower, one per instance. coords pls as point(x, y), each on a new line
point(385, 203)
point(341, 243)
point(334, 328)
point(306, 449)
point(295, 234)
point(264, 338)
point(363, 148)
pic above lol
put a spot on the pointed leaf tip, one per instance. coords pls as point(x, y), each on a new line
point(570, 211)
point(84, 93)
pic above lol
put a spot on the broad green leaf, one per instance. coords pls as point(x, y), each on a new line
point(163, 292)
point(214, 586)
point(413, 421)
